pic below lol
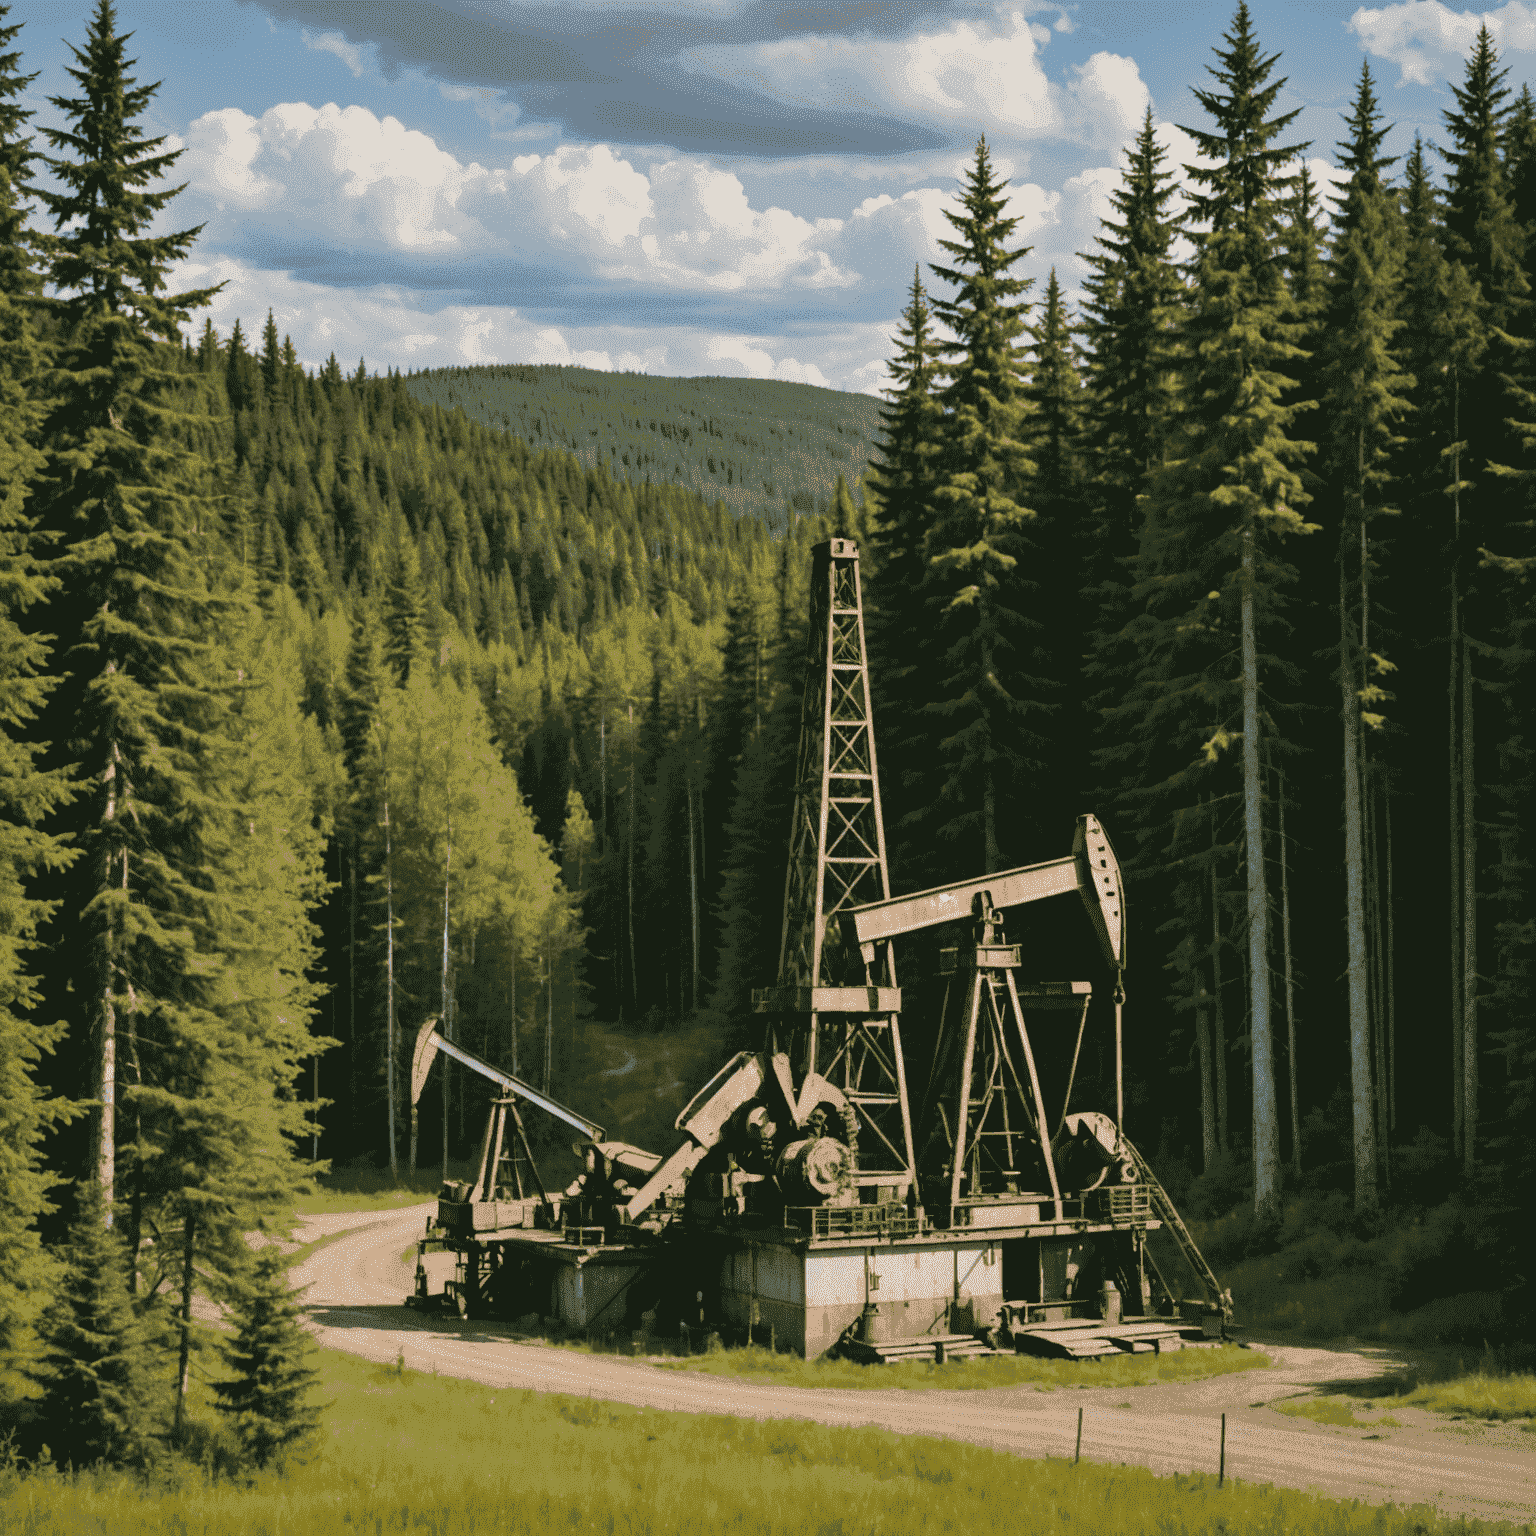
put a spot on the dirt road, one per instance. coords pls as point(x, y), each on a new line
point(357, 1283)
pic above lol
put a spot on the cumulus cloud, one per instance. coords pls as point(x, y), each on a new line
point(1425, 38)
point(301, 179)
point(399, 326)
point(958, 76)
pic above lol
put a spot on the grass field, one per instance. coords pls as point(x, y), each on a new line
point(1478, 1395)
point(413, 1453)
point(761, 1364)
point(374, 1189)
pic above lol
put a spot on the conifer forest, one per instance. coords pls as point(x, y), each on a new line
point(334, 700)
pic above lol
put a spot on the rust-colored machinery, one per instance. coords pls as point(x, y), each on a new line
point(814, 1200)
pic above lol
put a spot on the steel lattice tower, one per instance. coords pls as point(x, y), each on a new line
point(835, 1013)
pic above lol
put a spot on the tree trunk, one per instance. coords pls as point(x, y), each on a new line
point(1468, 922)
point(1375, 950)
point(693, 893)
point(1453, 688)
point(549, 1014)
point(1207, 1080)
point(1290, 986)
point(1218, 1005)
point(103, 1127)
point(445, 1004)
point(1364, 1114)
point(184, 1362)
point(634, 988)
point(1391, 980)
point(1266, 1110)
point(389, 993)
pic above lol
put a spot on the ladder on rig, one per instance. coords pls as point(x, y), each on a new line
point(1173, 1223)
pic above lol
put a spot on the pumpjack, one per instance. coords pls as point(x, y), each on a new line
point(815, 1200)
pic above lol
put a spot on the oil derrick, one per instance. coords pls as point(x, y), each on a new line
point(834, 1013)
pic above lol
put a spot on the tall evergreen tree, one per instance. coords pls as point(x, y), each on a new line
point(121, 497)
point(903, 475)
point(980, 683)
point(267, 1400)
point(27, 793)
point(1056, 399)
point(94, 1372)
point(1364, 401)
point(1223, 503)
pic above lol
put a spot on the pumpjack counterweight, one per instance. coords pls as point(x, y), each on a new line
point(814, 1201)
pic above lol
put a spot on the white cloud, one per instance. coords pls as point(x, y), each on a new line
point(350, 54)
point(390, 325)
point(966, 75)
point(1425, 39)
point(342, 179)
point(757, 363)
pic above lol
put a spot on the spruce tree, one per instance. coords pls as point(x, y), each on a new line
point(902, 477)
point(267, 1400)
point(93, 1374)
point(1364, 401)
point(404, 605)
point(1210, 571)
point(1131, 323)
point(271, 362)
point(1058, 537)
point(980, 682)
point(1132, 320)
point(1483, 235)
point(122, 498)
point(27, 793)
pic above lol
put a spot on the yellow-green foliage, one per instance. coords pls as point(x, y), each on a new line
point(960, 1375)
point(1481, 1395)
point(1321, 1410)
point(373, 1189)
point(411, 1453)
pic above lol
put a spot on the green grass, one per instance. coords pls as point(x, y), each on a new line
point(410, 1453)
point(1321, 1410)
point(762, 1364)
point(1478, 1395)
point(373, 1189)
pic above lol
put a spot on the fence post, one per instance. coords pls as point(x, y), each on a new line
point(1077, 1454)
point(1221, 1474)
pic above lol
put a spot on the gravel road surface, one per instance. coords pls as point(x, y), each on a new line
point(357, 1283)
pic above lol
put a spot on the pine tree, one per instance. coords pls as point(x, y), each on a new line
point(267, 1401)
point(1444, 345)
point(1364, 400)
point(979, 683)
point(271, 362)
point(902, 479)
point(1132, 319)
point(1225, 499)
point(1131, 322)
point(1056, 398)
point(122, 497)
point(27, 794)
point(93, 1376)
point(404, 606)
point(1482, 235)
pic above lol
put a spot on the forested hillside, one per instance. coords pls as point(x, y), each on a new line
point(329, 708)
point(758, 445)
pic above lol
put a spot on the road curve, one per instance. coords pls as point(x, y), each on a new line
point(355, 1287)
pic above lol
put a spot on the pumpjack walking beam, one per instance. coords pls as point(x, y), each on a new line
point(832, 1021)
point(979, 1095)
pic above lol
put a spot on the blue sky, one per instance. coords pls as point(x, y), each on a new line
point(689, 186)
